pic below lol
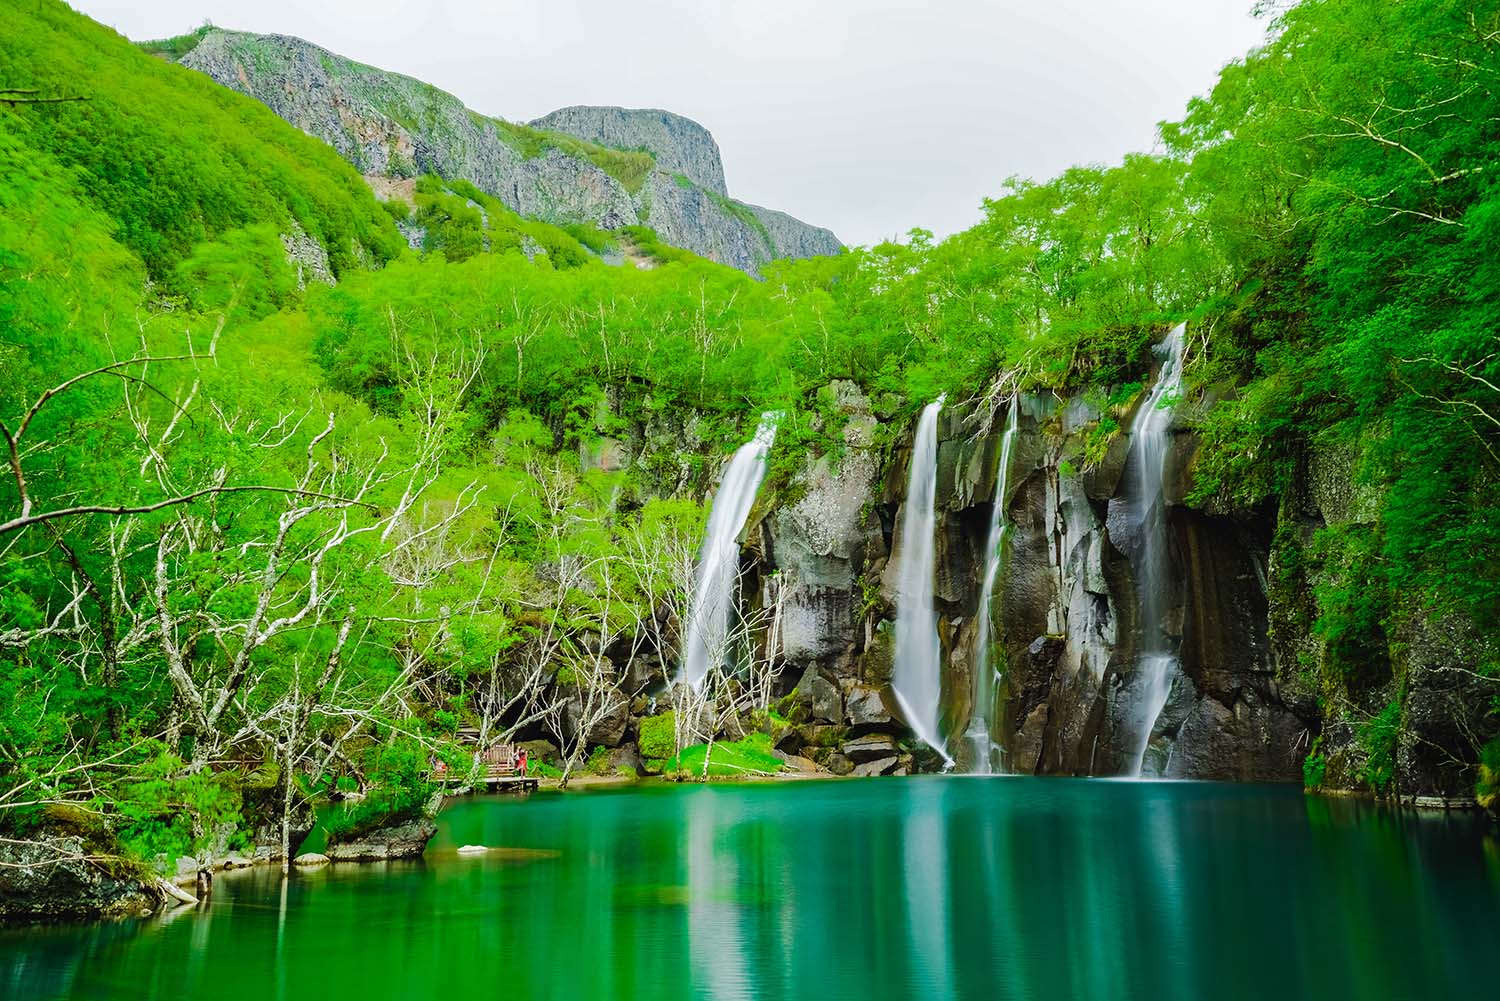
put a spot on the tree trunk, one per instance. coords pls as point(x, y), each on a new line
point(286, 810)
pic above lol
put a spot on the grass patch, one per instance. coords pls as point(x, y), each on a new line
point(751, 756)
point(174, 48)
point(592, 237)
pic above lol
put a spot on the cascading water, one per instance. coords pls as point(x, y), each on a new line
point(1150, 435)
point(917, 678)
point(982, 722)
point(707, 632)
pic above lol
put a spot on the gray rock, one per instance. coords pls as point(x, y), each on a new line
point(608, 730)
point(820, 541)
point(838, 764)
point(870, 748)
point(879, 766)
point(1251, 742)
point(311, 859)
point(864, 707)
point(541, 750)
point(821, 696)
point(50, 879)
point(681, 146)
point(401, 841)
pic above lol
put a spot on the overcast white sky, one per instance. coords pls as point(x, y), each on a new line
point(866, 116)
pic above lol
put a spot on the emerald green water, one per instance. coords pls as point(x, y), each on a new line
point(931, 887)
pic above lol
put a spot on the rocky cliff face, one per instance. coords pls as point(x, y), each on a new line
point(1245, 702)
point(680, 145)
point(608, 167)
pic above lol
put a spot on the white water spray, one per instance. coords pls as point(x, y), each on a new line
point(1150, 436)
point(917, 678)
point(982, 719)
point(717, 577)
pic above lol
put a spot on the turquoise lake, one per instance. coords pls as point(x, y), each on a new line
point(934, 888)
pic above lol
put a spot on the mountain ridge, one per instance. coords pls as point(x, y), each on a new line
point(602, 166)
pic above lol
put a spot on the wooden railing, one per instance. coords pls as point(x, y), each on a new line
point(497, 762)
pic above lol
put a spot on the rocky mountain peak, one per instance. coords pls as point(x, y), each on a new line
point(680, 145)
point(606, 167)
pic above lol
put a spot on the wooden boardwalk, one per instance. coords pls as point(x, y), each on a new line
point(503, 768)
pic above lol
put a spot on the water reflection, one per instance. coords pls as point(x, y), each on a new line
point(939, 888)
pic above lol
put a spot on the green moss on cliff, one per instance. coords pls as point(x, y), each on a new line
point(629, 167)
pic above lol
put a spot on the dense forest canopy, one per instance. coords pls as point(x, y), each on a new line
point(327, 524)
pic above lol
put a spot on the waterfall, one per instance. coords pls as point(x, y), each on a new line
point(714, 588)
point(1150, 435)
point(917, 678)
point(982, 718)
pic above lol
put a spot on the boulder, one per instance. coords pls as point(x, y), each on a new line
point(796, 763)
point(879, 766)
point(541, 750)
point(814, 735)
point(870, 748)
point(311, 858)
point(401, 841)
point(865, 709)
point(879, 659)
point(628, 758)
point(838, 764)
point(609, 729)
point(1252, 741)
point(49, 878)
point(821, 695)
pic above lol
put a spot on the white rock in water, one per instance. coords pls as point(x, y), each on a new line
point(310, 858)
point(473, 850)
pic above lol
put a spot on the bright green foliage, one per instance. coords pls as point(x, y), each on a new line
point(402, 790)
point(174, 48)
point(658, 736)
point(1314, 767)
point(1342, 176)
point(1488, 788)
point(1378, 737)
point(170, 811)
point(1327, 220)
point(171, 156)
point(598, 762)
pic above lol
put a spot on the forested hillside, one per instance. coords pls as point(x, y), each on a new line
point(291, 500)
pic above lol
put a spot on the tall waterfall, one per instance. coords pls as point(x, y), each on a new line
point(982, 718)
point(917, 678)
point(1150, 435)
point(714, 588)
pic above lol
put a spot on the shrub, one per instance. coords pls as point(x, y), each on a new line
point(1487, 789)
point(658, 736)
point(1378, 738)
point(598, 763)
